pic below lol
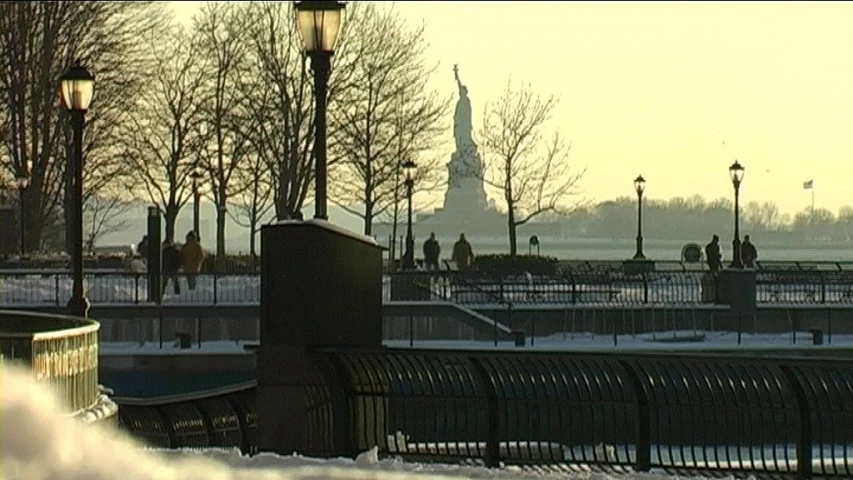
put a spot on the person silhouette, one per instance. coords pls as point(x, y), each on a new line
point(463, 255)
point(432, 250)
point(713, 255)
point(748, 252)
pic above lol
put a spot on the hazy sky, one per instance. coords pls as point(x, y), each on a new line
point(674, 91)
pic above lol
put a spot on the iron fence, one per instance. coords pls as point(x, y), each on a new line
point(54, 287)
point(681, 413)
point(578, 283)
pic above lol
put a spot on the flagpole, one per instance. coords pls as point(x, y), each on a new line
point(812, 200)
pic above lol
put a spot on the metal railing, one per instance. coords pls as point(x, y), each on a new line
point(577, 283)
point(777, 417)
point(62, 352)
point(605, 286)
point(225, 417)
point(630, 412)
point(54, 287)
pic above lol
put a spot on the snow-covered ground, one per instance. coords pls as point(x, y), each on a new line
point(692, 340)
point(52, 288)
point(37, 442)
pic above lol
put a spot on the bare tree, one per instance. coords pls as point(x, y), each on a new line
point(530, 171)
point(38, 40)
point(253, 204)
point(122, 60)
point(279, 102)
point(390, 117)
point(33, 51)
point(415, 134)
point(103, 215)
point(279, 94)
point(164, 140)
point(223, 32)
point(762, 216)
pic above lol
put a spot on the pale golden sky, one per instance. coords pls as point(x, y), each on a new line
point(674, 91)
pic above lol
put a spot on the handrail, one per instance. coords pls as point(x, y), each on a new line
point(64, 355)
point(780, 417)
point(584, 283)
point(696, 413)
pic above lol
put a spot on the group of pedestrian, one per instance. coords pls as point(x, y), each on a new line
point(714, 255)
point(175, 258)
point(462, 255)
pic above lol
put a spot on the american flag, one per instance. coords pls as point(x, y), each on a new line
point(808, 185)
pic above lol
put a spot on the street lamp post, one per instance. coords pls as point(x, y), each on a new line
point(640, 187)
point(76, 88)
point(319, 23)
point(736, 174)
point(22, 181)
point(196, 176)
point(409, 169)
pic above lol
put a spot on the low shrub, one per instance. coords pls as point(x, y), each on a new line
point(504, 264)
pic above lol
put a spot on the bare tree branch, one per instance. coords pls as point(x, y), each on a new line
point(38, 41)
point(253, 204)
point(222, 29)
point(279, 103)
point(531, 173)
point(163, 141)
point(391, 115)
point(104, 215)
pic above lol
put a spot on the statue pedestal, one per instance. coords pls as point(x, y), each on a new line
point(465, 186)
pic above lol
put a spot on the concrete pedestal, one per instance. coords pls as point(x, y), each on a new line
point(321, 286)
point(638, 266)
point(8, 236)
point(410, 286)
point(737, 288)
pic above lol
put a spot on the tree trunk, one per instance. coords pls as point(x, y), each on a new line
point(220, 237)
point(368, 218)
point(170, 216)
point(280, 197)
point(513, 236)
point(253, 230)
point(393, 246)
point(36, 219)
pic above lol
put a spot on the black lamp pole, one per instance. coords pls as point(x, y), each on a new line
point(321, 64)
point(409, 169)
point(639, 186)
point(78, 305)
point(319, 22)
point(736, 172)
point(77, 87)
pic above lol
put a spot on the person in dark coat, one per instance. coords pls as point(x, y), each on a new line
point(432, 250)
point(171, 265)
point(713, 255)
point(142, 249)
point(748, 253)
point(463, 255)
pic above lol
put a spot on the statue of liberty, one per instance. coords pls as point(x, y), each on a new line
point(466, 161)
point(462, 126)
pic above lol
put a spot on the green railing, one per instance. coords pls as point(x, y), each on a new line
point(62, 352)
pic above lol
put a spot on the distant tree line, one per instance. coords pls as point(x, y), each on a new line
point(696, 218)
